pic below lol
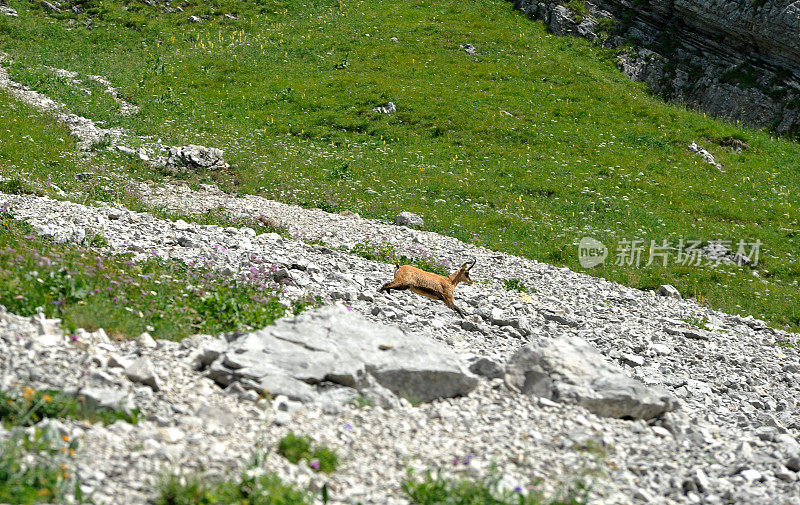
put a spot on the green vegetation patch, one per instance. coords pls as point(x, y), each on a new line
point(35, 468)
point(219, 217)
point(296, 448)
point(516, 285)
point(438, 490)
point(525, 147)
point(253, 488)
point(27, 406)
point(387, 253)
point(90, 289)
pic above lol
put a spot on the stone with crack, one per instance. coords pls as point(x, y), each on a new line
point(333, 345)
point(569, 369)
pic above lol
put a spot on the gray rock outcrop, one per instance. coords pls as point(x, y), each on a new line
point(195, 157)
point(408, 219)
point(334, 346)
point(143, 371)
point(388, 108)
point(7, 10)
point(669, 291)
point(570, 370)
point(738, 59)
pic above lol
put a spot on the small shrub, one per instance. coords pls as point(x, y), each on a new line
point(295, 448)
point(578, 7)
point(97, 240)
point(516, 285)
point(341, 172)
point(606, 26)
point(362, 401)
point(698, 322)
point(102, 143)
point(326, 460)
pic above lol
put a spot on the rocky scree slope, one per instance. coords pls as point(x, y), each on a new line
point(738, 59)
point(732, 436)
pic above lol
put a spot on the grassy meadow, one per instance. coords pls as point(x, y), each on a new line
point(526, 146)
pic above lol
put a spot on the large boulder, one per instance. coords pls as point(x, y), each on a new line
point(334, 345)
point(570, 370)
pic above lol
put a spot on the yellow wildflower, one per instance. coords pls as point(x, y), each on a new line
point(65, 438)
point(47, 398)
point(28, 393)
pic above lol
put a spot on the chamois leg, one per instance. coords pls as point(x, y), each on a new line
point(449, 302)
point(393, 285)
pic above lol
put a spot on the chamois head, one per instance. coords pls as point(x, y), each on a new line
point(462, 274)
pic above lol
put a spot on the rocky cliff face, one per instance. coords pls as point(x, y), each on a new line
point(739, 59)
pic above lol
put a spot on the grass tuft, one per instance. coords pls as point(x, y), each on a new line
point(434, 489)
point(516, 285)
point(254, 487)
point(296, 448)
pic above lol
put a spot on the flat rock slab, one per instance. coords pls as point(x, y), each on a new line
point(570, 370)
point(334, 345)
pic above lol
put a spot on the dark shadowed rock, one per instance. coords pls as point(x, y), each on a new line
point(486, 367)
point(738, 59)
point(570, 370)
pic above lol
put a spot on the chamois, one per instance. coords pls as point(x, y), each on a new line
point(429, 284)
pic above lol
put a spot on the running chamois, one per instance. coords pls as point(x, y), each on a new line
point(435, 286)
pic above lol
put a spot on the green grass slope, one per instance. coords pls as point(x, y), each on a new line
point(527, 146)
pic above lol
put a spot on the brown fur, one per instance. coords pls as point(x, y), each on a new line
point(434, 286)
